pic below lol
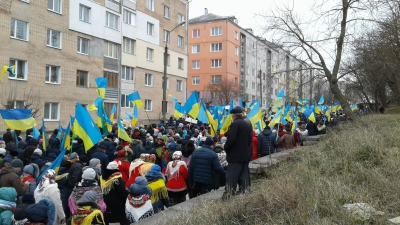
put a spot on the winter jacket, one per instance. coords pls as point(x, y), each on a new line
point(44, 211)
point(65, 191)
point(287, 141)
point(177, 180)
point(7, 194)
point(8, 158)
point(38, 160)
point(32, 145)
point(75, 174)
point(32, 183)
point(238, 142)
point(202, 165)
point(111, 149)
point(102, 157)
point(266, 142)
point(137, 148)
point(10, 179)
point(19, 213)
point(123, 167)
point(149, 148)
point(54, 147)
point(79, 149)
point(53, 193)
point(254, 147)
point(312, 129)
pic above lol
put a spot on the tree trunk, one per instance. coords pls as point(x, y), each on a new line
point(343, 101)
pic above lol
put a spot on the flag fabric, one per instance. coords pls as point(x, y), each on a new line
point(43, 135)
point(226, 124)
point(122, 133)
point(281, 94)
point(231, 105)
point(35, 132)
point(9, 69)
point(306, 101)
point(192, 106)
point(321, 100)
point(102, 119)
point(213, 123)
point(55, 165)
point(278, 103)
point(309, 114)
point(18, 119)
point(16, 138)
point(179, 110)
point(85, 127)
point(202, 113)
point(134, 117)
point(294, 125)
point(135, 99)
point(299, 101)
point(276, 119)
point(255, 114)
point(113, 111)
point(101, 86)
point(66, 141)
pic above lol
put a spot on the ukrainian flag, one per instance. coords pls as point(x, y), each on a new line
point(192, 106)
point(85, 127)
point(10, 69)
point(43, 136)
point(226, 124)
point(134, 117)
point(202, 113)
point(36, 133)
point(55, 165)
point(101, 86)
point(213, 123)
point(309, 114)
point(294, 125)
point(18, 119)
point(122, 133)
point(66, 141)
point(321, 100)
point(135, 99)
point(299, 101)
point(179, 110)
point(276, 119)
point(113, 111)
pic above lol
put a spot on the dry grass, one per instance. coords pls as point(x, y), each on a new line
point(357, 163)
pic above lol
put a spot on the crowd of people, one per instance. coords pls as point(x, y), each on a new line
point(124, 181)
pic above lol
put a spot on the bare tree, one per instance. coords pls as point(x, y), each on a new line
point(26, 98)
point(324, 46)
point(221, 92)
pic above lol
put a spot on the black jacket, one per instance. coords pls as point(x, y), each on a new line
point(75, 174)
point(29, 150)
point(54, 147)
point(312, 129)
point(79, 149)
point(38, 160)
point(238, 142)
point(115, 199)
point(102, 157)
point(266, 142)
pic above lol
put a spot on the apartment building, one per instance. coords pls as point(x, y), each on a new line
point(214, 43)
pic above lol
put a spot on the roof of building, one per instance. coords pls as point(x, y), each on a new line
point(209, 17)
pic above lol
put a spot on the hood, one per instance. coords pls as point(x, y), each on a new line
point(8, 194)
point(33, 142)
point(7, 169)
point(218, 149)
point(10, 147)
point(148, 146)
point(22, 144)
point(35, 156)
point(267, 132)
point(55, 143)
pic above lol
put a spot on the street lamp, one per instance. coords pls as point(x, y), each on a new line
point(164, 101)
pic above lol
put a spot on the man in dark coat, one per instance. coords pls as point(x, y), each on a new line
point(37, 158)
point(102, 156)
point(75, 172)
point(266, 142)
point(312, 128)
point(237, 153)
point(10, 178)
point(32, 145)
point(203, 164)
point(79, 148)
point(54, 147)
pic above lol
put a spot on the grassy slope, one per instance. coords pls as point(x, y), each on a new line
point(357, 163)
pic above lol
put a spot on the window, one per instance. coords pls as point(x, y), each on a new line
point(19, 29)
point(180, 63)
point(216, 47)
point(112, 21)
point(195, 80)
point(125, 103)
point(196, 33)
point(150, 28)
point(179, 85)
point(253, 72)
point(247, 70)
point(236, 50)
point(166, 35)
point(54, 5)
point(84, 13)
point(216, 63)
point(214, 95)
point(247, 84)
point(149, 54)
point(236, 35)
point(148, 105)
point(236, 65)
point(127, 73)
point(53, 38)
point(166, 12)
point(150, 5)
point(53, 74)
point(148, 80)
point(129, 45)
point(196, 64)
point(113, 79)
point(253, 85)
point(51, 110)
point(21, 69)
point(82, 78)
point(129, 17)
point(83, 45)
point(216, 79)
point(254, 45)
point(110, 50)
point(181, 18)
point(16, 104)
point(236, 81)
point(216, 31)
point(253, 59)
point(195, 49)
point(180, 41)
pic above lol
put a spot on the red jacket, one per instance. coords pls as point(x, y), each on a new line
point(177, 180)
point(255, 147)
point(123, 167)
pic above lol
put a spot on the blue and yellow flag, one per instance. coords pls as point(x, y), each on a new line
point(43, 135)
point(281, 94)
point(36, 133)
point(101, 86)
point(192, 106)
point(135, 99)
point(55, 165)
point(309, 114)
point(276, 119)
point(18, 119)
point(66, 141)
point(294, 125)
point(179, 110)
point(202, 112)
point(9, 69)
point(299, 101)
point(113, 111)
point(134, 117)
point(321, 100)
point(85, 127)
point(122, 133)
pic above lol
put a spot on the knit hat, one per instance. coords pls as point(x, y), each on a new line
point(28, 169)
point(156, 168)
point(84, 159)
point(89, 174)
point(139, 187)
point(88, 196)
point(209, 141)
point(73, 156)
point(170, 140)
point(37, 151)
point(112, 165)
point(3, 151)
point(177, 155)
point(28, 198)
point(94, 162)
point(17, 163)
point(223, 140)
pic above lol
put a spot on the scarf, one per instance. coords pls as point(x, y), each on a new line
point(133, 165)
point(48, 178)
point(138, 207)
point(27, 177)
point(158, 190)
point(86, 213)
point(7, 205)
point(77, 194)
point(88, 183)
point(173, 171)
point(145, 168)
point(107, 185)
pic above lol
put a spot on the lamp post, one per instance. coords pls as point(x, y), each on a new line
point(164, 101)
